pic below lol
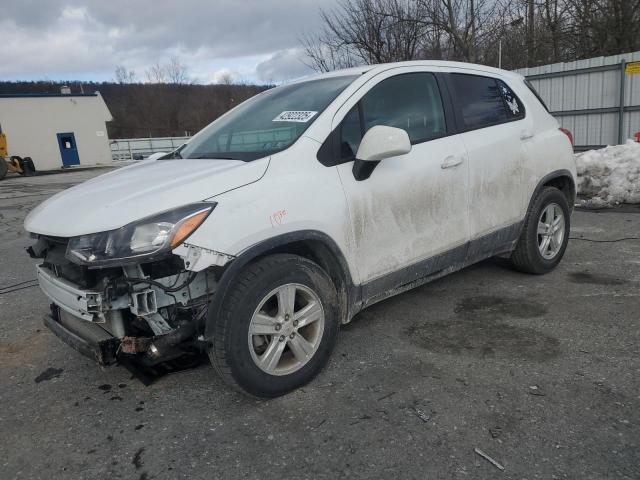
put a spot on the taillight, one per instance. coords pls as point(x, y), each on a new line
point(568, 134)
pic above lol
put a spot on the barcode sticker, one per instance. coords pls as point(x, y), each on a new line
point(301, 116)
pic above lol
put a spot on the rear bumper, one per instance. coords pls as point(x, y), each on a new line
point(86, 338)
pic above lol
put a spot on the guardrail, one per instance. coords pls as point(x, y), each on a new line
point(123, 149)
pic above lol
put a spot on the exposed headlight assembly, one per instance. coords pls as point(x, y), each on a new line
point(145, 239)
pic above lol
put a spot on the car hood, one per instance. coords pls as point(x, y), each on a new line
point(131, 193)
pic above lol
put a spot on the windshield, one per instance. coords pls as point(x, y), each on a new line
point(267, 123)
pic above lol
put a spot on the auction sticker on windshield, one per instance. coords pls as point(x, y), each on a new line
point(295, 116)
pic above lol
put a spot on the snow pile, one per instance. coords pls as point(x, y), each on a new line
point(610, 176)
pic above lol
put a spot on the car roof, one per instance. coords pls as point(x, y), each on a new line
point(380, 67)
point(445, 64)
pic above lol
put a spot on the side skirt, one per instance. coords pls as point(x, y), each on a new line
point(425, 271)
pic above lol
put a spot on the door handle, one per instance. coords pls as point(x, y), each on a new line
point(451, 161)
point(526, 134)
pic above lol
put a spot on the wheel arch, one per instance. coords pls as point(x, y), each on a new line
point(310, 244)
point(560, 179)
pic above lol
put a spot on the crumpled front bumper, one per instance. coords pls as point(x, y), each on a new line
point(69, 297)
point(85, 337)
point(98, 325)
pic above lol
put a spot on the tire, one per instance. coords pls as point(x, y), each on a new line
point(4, 168)
point(528, 256)
point(236, 355)
point(28, 168)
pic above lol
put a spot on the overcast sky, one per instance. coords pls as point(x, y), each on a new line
point(254, 40)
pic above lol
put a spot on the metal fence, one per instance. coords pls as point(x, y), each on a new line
point(123, 149)
point(597, 99)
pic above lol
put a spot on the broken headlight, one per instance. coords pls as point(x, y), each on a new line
point(145, 239)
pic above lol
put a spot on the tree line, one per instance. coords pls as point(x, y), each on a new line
point(515, 33)
point(152, 109)
point(172, 71)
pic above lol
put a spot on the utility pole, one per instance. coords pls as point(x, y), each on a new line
point(513, 23)
point(530, 32)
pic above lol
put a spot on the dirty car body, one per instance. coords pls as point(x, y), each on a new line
point(360, 184)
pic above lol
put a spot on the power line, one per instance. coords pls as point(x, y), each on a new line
point(604, 241)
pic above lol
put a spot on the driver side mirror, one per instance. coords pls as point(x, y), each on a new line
point(378, 143)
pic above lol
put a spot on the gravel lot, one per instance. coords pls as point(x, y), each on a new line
point(540, 373)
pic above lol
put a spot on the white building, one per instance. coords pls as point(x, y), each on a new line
point(56, 130)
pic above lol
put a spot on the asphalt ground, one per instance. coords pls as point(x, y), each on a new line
point(541, 373)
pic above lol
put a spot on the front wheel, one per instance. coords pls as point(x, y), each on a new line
point(545, 234)
point(277, 327)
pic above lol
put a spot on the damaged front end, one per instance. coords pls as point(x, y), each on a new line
point(143, 310)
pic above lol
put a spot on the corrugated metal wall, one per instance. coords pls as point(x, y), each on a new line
point(569, 94)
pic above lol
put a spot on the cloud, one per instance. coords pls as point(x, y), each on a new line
point(259, 39)
point(283, 65)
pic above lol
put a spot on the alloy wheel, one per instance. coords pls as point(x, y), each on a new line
point(551, 231)
point(286, 329)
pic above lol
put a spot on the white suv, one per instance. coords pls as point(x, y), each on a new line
point(291, 213)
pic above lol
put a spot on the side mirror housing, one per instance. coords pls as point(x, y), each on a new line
point(382, 142)
point(378, 143)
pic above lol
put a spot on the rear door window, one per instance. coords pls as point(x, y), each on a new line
point(479, 101)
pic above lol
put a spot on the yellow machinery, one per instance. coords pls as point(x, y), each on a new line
point(13, 164)
point(3, 145)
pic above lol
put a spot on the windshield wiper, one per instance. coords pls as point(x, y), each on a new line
point(170, 156)
point(175, 154)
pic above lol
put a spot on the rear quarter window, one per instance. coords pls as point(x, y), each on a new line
point(515, 108)
point(479, 101)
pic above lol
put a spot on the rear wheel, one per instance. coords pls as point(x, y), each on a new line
point(545, 235)
point(277, 327)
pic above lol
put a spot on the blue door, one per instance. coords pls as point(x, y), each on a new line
point(68, 149)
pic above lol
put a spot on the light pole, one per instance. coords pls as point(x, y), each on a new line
point(514, 23)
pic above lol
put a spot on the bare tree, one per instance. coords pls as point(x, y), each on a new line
point(468, 27)
point(176, 71)
point(123, 75)
point(376, 31)
point(156, 73)
point(325, 54)
point(604, 27)
point(366, 31)
point(532, 32)
point(554, 15)
point(225, 78)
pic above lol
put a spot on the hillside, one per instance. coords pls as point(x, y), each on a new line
point(156, 110)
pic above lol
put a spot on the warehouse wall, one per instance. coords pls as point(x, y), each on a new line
point(590, 90)
point(31, 125)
